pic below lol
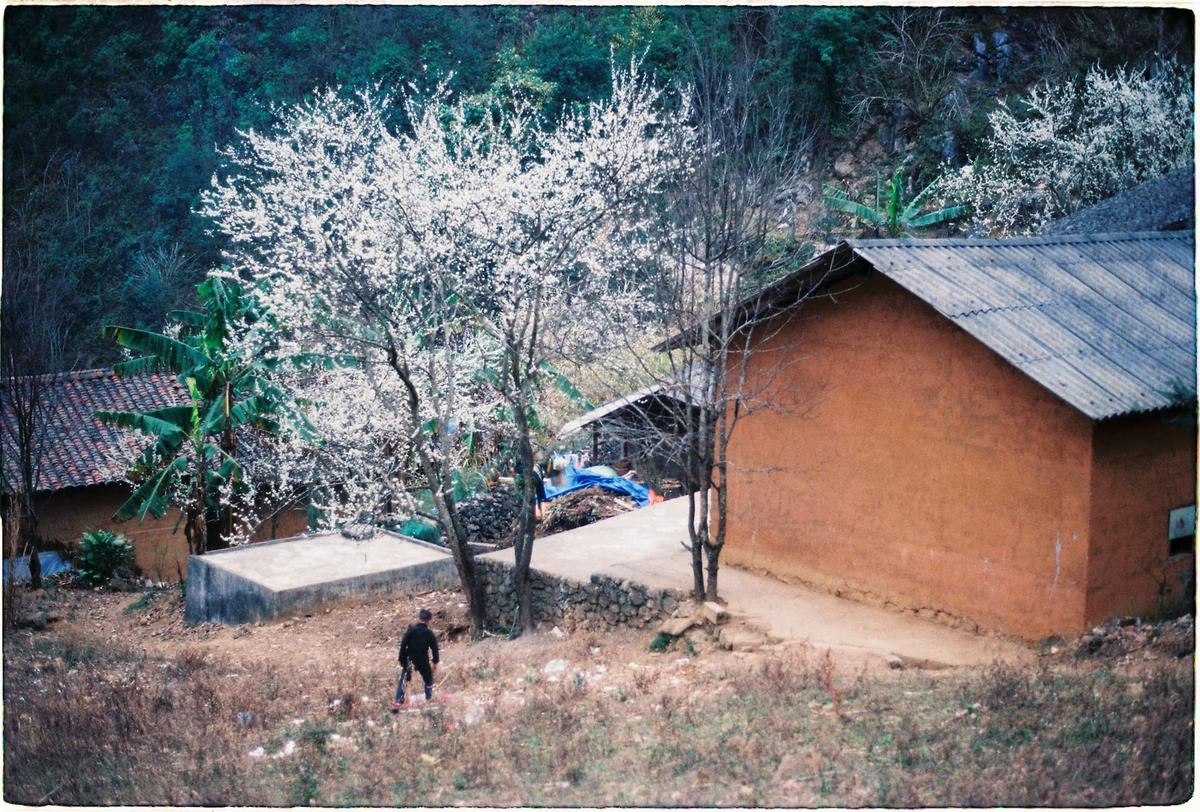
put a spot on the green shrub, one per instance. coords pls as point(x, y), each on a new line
point(662, 642)
point(101, 555)
point(141, 603)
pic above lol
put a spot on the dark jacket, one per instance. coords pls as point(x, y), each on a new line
point(416, 644)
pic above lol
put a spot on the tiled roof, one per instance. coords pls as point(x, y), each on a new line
point(79, 449)
point(1107, 322)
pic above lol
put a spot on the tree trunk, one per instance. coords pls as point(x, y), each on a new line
point(443, 498)
point(221, 530)
point(28, 533)
point(35, 563)
point(716, 541)
point(696, 543)
point(713, 554)
point(196, 528)
point(464, 561)
point(12, 527)
point(194, 531)
point(523, 549)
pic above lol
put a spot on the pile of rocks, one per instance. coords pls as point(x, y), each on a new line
point(491, 516)
point(601, 602)
point(709, 620)
point(1121, 637)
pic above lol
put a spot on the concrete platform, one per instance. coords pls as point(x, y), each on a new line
point(262, 581)
point(645, 546)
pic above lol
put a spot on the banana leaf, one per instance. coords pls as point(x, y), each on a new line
point(151, 497)
point(172, 354)
point(915, 204)
point(565, 385)
point(188, 318)
point(839, 199)
point(856, 209)
point(162, 424)
point(934, 218)
point(139, 366)
point(229, 471)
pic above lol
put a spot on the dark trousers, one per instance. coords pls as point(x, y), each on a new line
point(426, 674)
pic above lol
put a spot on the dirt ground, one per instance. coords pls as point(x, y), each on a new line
point(363, 635)
point(295, 712)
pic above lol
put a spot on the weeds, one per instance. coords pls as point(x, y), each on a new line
point(315, 734)
point(143, 602)
point(825, 673)
point(792, 730)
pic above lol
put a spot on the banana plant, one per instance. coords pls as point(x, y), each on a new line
point(193, 456)
point(891, 212)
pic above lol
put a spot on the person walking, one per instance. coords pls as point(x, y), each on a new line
point(418, 643)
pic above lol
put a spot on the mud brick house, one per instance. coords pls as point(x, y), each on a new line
point(994, 429)
point(79, 484)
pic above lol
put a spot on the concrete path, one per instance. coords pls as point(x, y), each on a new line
point(646, 546)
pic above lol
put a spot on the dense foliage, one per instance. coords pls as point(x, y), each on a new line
point(193, 461)
point(1062, 147)
point(113, 115)
point(103, 554)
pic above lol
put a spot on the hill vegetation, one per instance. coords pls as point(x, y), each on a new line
point(114, 116)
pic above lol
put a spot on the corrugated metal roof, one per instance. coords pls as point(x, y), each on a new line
point(692, 377)
point(1107, 322)
point(1157, 204)
point(605, 409)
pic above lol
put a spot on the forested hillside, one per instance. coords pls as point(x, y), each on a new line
point(114, 116)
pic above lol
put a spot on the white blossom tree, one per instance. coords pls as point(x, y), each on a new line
point(1066, 146)
point(452, 257)
point(555, 247)
point(344, 458)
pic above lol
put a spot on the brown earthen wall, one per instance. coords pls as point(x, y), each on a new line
point(159, 552)
point(1143, 468)
point(65, 515)
point(916, 467)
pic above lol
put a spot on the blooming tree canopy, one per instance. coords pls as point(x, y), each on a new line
point(1063, 147)
point(452, 255)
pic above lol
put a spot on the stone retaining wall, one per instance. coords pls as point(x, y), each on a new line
point(604, 601)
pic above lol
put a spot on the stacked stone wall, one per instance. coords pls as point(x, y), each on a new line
point(601, 602)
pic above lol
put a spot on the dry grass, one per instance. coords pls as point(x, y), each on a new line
point(90, 725)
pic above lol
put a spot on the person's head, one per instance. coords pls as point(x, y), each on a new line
point(424, 616)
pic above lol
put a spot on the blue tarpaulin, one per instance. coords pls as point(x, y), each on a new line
point(576, 479)
point(51, 563)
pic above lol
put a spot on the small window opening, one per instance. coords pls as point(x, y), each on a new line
point(1181, 532)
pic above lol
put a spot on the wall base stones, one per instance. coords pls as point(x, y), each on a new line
point(599, 603)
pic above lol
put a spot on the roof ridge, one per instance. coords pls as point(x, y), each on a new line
point(992, 242)
point(69, 375)
point(86, 375)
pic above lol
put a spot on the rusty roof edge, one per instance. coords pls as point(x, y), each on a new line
point(88, 375)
